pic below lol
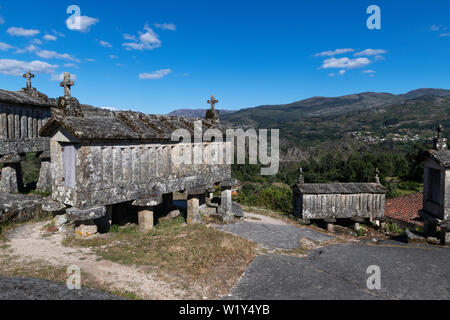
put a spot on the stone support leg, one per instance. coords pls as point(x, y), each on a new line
point(193, 213)
point(11, 181)
point(146, 219)
point(225, 208)
point(45, 176)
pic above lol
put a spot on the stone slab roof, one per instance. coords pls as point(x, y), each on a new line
point(100, 124)
point(442, 156)
point(23, 98)
point(341, 188)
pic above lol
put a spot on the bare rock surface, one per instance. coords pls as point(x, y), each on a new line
point(19, 207)
point(16, 288)
point(340, 272)
point(274, 235)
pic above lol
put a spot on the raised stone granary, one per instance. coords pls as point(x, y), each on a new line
point(436, 192)
point(100, 158)
point(22, 115)
point(331, 201)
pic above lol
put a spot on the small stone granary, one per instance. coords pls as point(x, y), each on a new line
point(436, 192)
point(331, 201)
point(22, 115)
point(101, 158)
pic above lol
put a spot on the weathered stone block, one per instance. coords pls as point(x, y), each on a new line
point(11, 180)
point(146, 219)
point(193, 213)
point(75, 214)
point(45, 177)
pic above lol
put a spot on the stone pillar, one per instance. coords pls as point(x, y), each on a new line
point(45, 174)
point(356, 226)
point(193, 205)
point(225, 208)
point(146, 211)
point(330, 224)
point(146, 219)
point(11, 180)
point(226, 203)
point(193, 213)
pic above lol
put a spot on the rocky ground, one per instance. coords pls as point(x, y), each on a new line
point(293, 262)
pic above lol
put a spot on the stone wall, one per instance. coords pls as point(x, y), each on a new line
point(19, 128)
point(112, 173)
point(322, 206)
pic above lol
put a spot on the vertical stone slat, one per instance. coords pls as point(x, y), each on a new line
point(107, 167)
point(29, 124)
point(117, 166)
point(16, 124)
point(3, 123)
point(126, 165)
point(23, 125)
point(10, 124)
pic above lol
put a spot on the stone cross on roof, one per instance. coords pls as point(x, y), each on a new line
point(28, 75)
point(67, 83)
point(300, 179)
point(213, 102)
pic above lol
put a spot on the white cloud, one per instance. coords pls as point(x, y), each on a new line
point(166, 26)
point(81, 23)
point(332, 74)
point(105, 44)
point(60, 76)
point(435, 27)
point(333, 53)
point(36, 41)
point(21, 32)
point(147, 40)
point(111, 56)
point(50, 37)
point(129, 37)
point(48, 54)
point(342, 72)
point(444, 35)
point(369, 71)
point(4, 46)
point(90, 60)
point(16, 67)
point(345, 63)
point(155, 74)
point(70, 65)
point(370, 52)
point(2, 20)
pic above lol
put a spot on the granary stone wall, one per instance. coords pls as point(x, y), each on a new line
point(19, 128)
point(322, 206)
point(115, 172)
point(447, 195)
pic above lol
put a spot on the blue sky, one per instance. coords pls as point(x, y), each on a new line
point(155, 56)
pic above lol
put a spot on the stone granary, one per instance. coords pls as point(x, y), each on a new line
point(22, 115)
point(101, 158)
point(331, 201)
point(436, 191)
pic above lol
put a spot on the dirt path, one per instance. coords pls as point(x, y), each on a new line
point(28, 242)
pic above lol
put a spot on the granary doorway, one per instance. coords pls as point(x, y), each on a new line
point(69, 161)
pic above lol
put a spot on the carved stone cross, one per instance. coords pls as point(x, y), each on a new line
point(67, 83)
point(28, 75)
point(213, 102)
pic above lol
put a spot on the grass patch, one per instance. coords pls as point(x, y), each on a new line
point(196, 256)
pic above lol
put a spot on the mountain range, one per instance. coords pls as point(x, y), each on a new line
point(351, 122)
